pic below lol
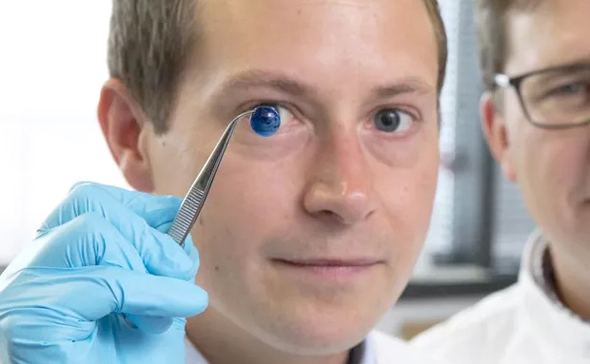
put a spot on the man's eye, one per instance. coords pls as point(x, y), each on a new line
point(285, 114)
point(285, 117)
point(265, 120)
point(393, 121)
point(571, 89)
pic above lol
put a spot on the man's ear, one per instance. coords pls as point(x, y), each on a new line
point(496, 133)
point(125, 128)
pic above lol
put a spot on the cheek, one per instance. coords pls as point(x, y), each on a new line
point(250, 201)
point(403, 152)
point(552, 170)
point(408, 195)
point(176, 159)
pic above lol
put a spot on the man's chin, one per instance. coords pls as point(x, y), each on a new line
point(319, 343)
point(322, 335)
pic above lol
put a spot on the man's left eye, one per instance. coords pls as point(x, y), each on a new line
point(393, 121)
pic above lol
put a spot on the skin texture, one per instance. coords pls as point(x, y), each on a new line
point(329, 185)
point(551, 167)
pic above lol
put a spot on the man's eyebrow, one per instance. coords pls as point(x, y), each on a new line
point(288, 85)
point(405, 86)
point(266, 79)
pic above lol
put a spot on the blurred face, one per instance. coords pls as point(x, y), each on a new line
point(552, 167)
point(310, 235)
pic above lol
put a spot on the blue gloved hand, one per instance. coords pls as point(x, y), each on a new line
point(101, 283)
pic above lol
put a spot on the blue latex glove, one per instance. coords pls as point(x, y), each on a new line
point(101, 260)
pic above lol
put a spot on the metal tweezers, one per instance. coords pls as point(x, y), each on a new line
point(195, 198)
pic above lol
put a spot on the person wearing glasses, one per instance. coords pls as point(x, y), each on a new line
point(536, 114)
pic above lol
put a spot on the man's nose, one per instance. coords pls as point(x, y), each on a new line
point(340, 187)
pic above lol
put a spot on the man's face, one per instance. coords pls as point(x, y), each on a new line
point(552, 167)
point(309, 236)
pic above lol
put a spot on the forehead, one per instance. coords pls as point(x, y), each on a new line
point(553, 33)
point(383, 35)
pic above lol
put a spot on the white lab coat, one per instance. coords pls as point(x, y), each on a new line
point(523, 324)
point(379, 349)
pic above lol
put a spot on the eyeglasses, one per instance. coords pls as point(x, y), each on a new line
point(553, 98)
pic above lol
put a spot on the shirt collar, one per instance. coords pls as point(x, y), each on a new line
point(364, 353)
point(542, 306)
point(537, 261)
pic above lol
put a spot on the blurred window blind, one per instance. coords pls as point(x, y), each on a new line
point(440, 235)
point(512, 223)
point(476, 210)
point(441, 228)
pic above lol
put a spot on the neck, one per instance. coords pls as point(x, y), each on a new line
point(222, 342)
point(572, 281)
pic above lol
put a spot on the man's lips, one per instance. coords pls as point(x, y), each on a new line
point(329, 263)
point(322, 270)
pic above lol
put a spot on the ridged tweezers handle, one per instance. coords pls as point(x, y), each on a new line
point(187, 215)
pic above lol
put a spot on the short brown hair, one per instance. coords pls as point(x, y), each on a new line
point(492, 28)
point(151, 43)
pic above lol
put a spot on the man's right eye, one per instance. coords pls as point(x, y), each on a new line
point(265, 120)
point(285, 117)
point(571, 89)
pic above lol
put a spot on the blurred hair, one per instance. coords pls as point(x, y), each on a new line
point(492, 30)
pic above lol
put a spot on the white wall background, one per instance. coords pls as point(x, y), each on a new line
point(52, 66)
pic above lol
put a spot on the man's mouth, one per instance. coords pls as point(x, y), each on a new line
point(328, 268)
point(303, 263)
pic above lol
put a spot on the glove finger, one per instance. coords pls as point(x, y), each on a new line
point(87, 240)
point(86, 196)
point(188, 246)
point(149, 324)
point(143, 205)
point(91, 293)
point(160, 254)
point(97, 243)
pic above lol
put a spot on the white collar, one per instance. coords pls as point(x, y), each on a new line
point(362, 354)
point(538, 263)
point(542, 307)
